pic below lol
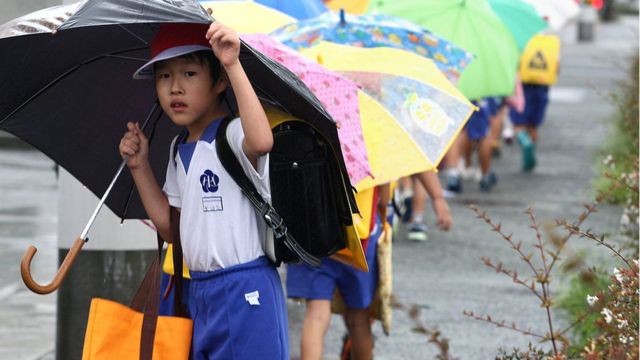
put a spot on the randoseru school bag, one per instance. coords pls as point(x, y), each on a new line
point(310, 208)
point(540, 60)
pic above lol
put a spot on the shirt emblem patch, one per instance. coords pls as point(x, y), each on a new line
point(209, 181)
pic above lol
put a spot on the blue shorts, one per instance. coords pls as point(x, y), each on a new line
point(166, 303)
point(478, 125)
point(356, 287)
point(494, 104)
point(239, 313)
point(536, 98)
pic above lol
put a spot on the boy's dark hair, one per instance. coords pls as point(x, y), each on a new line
point(207, 58)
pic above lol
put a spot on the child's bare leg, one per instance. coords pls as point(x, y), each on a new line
point(359, 326)
point(419, 201)
point(405, 182)
point(484, 154)
point(316, 322)
point(467, 148)
point(533, 132)
point(496, 126)
point(453, 155)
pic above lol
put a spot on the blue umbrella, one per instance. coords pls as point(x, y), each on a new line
point(376, 31)
point(299, 9)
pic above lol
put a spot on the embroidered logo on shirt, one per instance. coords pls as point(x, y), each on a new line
point(209, 181)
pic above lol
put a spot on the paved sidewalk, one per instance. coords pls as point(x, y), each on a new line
point(443, 276)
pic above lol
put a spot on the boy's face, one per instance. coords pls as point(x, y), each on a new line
point(185, 91)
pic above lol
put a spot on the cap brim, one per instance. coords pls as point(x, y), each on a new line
point(146, 70)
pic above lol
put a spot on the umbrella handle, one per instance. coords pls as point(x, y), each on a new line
point(25, 269)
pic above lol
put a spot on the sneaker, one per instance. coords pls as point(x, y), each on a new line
point(418, 232)
point(507, 132)
point(471, 173)
point(488, 181)
point(528, 151)
point(454, 183)
point(402, 202)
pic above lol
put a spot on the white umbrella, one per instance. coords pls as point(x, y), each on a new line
point(556, 12)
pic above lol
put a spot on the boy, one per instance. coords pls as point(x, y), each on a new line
point(476, 133)
point(538, 70)
point(235, 299)
point(317, 285)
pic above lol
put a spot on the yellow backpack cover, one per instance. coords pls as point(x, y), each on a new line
point(540, 60)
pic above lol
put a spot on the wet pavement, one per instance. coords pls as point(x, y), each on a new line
point(443, 276)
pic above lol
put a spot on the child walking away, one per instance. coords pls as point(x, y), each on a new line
point(538, 70)
point(236, 299)
point(476, 134)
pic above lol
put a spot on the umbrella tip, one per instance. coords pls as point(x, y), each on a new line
point(319, 59)
point(342, 19)
point(55, 31)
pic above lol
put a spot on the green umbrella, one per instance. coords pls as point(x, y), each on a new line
point(472, 25)
point(520, 17)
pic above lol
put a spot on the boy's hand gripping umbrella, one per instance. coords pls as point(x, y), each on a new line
point(72, 102)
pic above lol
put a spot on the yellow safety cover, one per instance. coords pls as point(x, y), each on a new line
point(540, 60)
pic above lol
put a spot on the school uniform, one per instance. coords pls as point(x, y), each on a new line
point(478, 125)
point(235, 297)
point(356, 287)
point(536, 99)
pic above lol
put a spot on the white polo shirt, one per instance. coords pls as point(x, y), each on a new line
point(219, 227)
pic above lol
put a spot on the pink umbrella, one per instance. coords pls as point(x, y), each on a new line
point(337, 94)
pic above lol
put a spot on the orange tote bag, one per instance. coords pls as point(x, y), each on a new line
point(115, 331)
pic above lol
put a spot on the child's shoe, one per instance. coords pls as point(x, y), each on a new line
point(507, 132)
point(488, 181)
point(528, 151)
point(418, 232)
point(454, 182)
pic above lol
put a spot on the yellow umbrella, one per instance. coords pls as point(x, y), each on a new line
point(350, 6)
point(392, 152)
point(428, 108)
point(247, 17)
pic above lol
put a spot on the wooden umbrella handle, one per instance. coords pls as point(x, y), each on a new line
point(25, 269)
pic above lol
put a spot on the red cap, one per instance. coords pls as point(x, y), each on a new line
point(172, 40)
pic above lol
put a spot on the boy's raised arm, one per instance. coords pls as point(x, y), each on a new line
point(258, 138)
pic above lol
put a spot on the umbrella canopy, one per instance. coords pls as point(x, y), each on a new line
point(69, 92)
point(380, 131)
point(338, 95)
point(520, 17)
point(411, 88)
point(256, 18)
point(374, 31)
point(299, 9)
point(474, 26)
point(350, 6)
point(557, 13)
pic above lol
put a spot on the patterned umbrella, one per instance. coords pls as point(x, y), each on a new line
point(338, 95)
point(376, 31)
point(473, 25)
point(429, 109)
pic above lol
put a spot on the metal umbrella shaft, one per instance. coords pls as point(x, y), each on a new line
point(25, 264)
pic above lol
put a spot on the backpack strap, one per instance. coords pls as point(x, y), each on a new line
point(264, 209)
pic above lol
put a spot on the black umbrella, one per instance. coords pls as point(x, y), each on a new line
point(69, 92)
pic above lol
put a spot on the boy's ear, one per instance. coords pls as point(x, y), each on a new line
point(222, 83)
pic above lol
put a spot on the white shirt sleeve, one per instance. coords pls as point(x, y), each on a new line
point(260, 176)
point(171, 179)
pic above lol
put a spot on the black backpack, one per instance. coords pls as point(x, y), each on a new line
point(310, 202)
